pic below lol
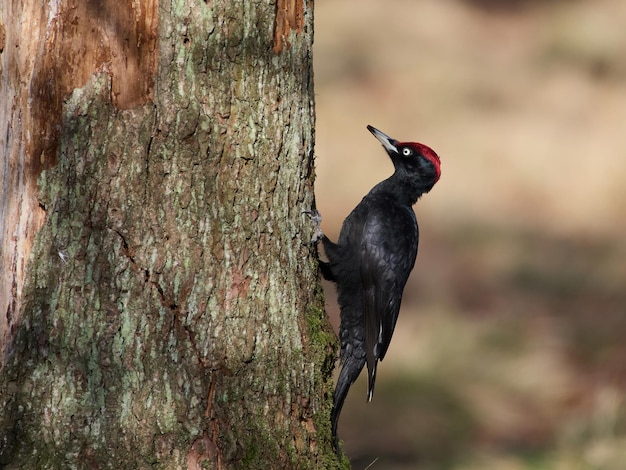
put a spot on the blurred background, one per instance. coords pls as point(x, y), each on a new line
point(510, 349)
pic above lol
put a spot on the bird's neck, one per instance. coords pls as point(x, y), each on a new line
point(404, 190)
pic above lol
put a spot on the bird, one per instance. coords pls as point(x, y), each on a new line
point(372, 260)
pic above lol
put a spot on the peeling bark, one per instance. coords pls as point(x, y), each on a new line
point(170, 314)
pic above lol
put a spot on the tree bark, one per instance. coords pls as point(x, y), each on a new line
point(157, 158)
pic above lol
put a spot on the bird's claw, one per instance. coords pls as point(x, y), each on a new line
point(316, 218)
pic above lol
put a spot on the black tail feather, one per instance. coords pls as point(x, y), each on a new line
point(349, 372)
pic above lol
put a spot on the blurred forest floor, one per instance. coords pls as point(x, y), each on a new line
point(510, 350)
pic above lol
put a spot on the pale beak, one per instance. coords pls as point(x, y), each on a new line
point(388, 142)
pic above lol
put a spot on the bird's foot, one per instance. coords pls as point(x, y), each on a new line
point(316, 218)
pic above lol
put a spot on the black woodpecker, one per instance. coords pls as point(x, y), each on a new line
point(372, 260)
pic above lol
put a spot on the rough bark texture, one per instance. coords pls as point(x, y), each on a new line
point(171, 316)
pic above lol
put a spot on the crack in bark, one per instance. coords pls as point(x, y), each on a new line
point(214, 427)
point(153, 134)
point(126, 248)
point(166, 301)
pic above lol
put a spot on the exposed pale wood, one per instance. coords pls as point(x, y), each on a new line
point(54, 48)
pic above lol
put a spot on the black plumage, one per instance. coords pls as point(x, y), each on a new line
point(372, 260)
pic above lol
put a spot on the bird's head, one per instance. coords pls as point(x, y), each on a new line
point(411, 159)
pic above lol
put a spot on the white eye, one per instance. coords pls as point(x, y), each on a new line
point(406, 151)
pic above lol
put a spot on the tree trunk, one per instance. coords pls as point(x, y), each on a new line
point(157, 159)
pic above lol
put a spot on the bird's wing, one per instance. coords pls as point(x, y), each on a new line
point(387, 255)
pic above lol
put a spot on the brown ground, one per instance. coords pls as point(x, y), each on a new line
point(510, 351)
